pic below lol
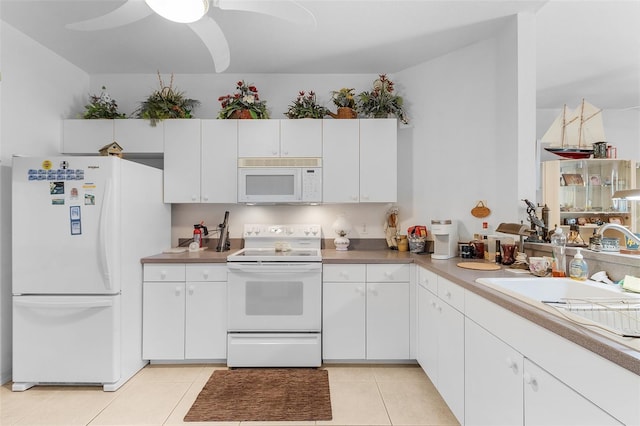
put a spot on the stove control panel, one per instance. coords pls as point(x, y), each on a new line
point(282, 231)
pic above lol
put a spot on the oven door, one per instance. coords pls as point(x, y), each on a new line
point(274, 297)
point(269, 185)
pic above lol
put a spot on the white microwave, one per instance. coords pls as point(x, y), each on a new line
point(279, 180)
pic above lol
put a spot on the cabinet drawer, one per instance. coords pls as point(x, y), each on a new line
point(428, 280)
point(343, 273)
point(206, 272)
point(388, 272)
point(164, 272)
point(451, 293)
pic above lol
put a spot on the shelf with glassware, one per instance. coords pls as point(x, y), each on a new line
point(580, 192)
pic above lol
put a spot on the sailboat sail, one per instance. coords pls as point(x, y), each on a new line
point(573, 133)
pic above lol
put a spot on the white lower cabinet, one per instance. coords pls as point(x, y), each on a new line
point(517, 372)
point(184, 312)
point(441, 347)
point(493, 379)
point(366, 312)
point(548, 401)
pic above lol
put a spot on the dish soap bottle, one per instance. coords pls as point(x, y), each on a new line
point(578, 269)
point(558, 243)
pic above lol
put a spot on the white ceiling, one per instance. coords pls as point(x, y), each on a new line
point(585, 48)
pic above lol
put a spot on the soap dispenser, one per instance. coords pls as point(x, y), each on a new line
point(578, 269)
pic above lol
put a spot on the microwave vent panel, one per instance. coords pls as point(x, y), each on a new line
point(279, 162)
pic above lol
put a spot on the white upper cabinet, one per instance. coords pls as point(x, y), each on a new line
point(301, 138)
point(340, 161)
point(182, 161)
point(280, 138)
point(80, 136)
point(360, 161)
point(378, 160)
point(258, 138)
point(219, 158)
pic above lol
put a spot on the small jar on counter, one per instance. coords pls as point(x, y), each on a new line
point(403, 243)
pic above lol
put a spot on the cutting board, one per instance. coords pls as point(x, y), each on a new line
point(479, 266)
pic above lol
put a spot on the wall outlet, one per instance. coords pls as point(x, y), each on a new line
point(363, 229)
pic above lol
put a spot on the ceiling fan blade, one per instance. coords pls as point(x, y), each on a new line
point(288, 10)
point(131, 11)
point(215, 41)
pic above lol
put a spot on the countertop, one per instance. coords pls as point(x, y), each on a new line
point(622, 351)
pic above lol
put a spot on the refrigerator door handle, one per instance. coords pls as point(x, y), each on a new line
point(104, 242)
point(49, 304)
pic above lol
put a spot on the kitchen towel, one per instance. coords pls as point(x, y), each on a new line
point(263, 394)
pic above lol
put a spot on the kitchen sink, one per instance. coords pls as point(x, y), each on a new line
point(588, 303)
point(556, 289)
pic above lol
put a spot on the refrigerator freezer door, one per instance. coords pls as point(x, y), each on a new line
point(65, 339)
point(66, 225)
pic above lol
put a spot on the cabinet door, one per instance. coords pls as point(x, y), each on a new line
point(163, 309)
point(343, 320)
point(422, 327)
point(86, 136)
point(493, 379)
point(388, 321)
point(206, 320)
point(378, 160)
point(258, 138)
point(139, 136)
point(451, 358)
point(181, 161)
point(219, 163)
point(340, 161)
point(301, 138)
point(542, 393)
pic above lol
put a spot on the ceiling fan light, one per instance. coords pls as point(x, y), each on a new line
point(182, 11)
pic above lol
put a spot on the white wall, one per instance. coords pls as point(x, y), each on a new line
point(38, 90)
point(465, 137)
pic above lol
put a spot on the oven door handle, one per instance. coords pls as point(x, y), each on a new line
point(275, 267)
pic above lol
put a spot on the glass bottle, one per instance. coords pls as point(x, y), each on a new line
point(558, 247)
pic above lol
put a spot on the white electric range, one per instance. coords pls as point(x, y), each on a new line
point(275, 297)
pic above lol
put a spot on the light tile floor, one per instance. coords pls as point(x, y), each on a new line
point(162, 395)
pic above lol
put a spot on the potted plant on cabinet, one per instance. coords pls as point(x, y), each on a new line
point(344, 99)
point(102, 106)
point(306, 106)
point(244, 103)
point(381, 102)
point(165, 103)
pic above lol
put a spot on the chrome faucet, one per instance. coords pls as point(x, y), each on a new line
point(620, 228)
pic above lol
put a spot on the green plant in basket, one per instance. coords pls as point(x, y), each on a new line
point(344, 98)
point(306, 106)
point(244, 103)
point(381, 102)
point(166, 102)
point(102, 106)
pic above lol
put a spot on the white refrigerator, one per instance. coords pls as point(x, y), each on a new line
point(80, 227)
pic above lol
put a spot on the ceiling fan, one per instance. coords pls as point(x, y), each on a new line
point(203, 25)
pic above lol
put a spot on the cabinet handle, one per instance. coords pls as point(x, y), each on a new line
point(365, 197)
point(194, 198)
point(178, 290)
point(205, 198)
point(388, 274)
point(344, 274)
point(360, 291)
point(286, 153)
point(163, 275)
point(433, 303)
point(274, 153)
point(205, 274)
point(531, 381)
point(512, 364)
point(447, 294)
point(354, 197)
point(191, 289)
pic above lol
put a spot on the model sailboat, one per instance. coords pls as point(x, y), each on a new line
point(573, 133)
